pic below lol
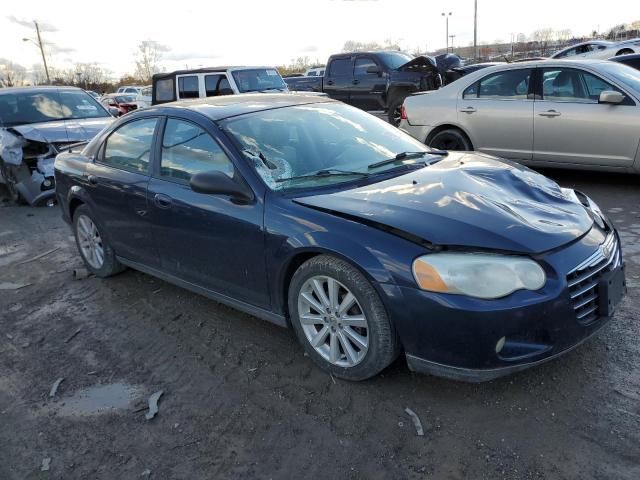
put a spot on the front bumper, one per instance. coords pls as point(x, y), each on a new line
point(478, 340)
point(420, 365)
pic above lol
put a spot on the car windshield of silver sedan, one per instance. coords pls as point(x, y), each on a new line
point(322, 144)
point(22, 108)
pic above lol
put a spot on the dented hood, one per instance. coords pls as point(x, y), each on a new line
point(469, 200)
point(420, 62)
point(75, 130)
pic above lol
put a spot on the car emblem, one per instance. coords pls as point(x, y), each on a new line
point(606, 250)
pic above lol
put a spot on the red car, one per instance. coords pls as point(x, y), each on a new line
point(124, 103)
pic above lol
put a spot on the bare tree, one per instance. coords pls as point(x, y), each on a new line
point(11, 74)
point(543, 37)
point(148, 58)
point(354, 46)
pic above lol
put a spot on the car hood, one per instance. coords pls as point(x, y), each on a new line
point(62, 131)
point(469, 200)
point(419, 63)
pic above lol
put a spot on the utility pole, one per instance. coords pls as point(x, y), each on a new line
point(475, 29)
point(44, 59)
point(446, 38)
point(39, 45)
point(452, 37)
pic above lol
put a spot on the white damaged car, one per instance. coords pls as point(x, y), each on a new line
point(36, 123)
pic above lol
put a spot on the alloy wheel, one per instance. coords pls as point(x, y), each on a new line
point(333, 321)
point(90, 242)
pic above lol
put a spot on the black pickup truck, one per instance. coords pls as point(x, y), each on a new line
point(378, 80)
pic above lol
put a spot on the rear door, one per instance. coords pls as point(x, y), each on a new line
point(497, 113)
point(338, 80)
point(117, 183)
point(367, 88)
point(572, 127)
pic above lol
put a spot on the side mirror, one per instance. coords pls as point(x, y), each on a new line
point(376, 70)
point(218, 183)
point(114, 111)
point(610, 96)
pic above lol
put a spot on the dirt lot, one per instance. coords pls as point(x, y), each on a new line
point(242, 401)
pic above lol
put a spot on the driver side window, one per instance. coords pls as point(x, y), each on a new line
point(187, 149)
point(129, 147)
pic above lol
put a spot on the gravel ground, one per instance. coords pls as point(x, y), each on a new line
point(242, 401)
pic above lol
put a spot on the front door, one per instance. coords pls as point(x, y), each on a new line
point(207, 240)
point(117, 184)
point(497, 111)
point(572, 127)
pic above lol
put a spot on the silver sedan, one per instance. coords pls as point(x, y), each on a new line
point(569, 114)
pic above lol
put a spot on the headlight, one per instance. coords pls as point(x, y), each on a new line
point(477, 274)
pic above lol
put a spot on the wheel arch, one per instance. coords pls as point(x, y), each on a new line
point(624, 51)
point(449, 126)
point(299, 256)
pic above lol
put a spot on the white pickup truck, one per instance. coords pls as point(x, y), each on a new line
point(214, 81)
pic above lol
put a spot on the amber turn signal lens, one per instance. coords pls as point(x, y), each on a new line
point(428, 278)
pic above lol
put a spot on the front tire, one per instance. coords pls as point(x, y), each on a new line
point(98, 256)
point(395, 111)
point(624, 51)
point(340, 320)
point(450, 139)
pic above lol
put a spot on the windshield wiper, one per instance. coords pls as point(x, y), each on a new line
point(407, 156)
point(324, 173)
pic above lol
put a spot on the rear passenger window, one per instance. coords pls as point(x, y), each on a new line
point(129, 146)
point(471, 91)
point(340, 66)
point(188, 87)
point(507, 85)
point(187, 149)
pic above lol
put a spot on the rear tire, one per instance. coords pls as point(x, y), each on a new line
point(450, 139)
point(344, 318)
point(624, 51)
point(97, 255)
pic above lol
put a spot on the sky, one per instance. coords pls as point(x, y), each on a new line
point(273, 32)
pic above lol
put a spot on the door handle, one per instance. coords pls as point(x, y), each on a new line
point(550, 113)
point(468, 110)
point(356, 82)
point(92, 179)
point(329, 82)
point(162, 201)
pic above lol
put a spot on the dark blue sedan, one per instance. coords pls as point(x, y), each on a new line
point(312, 214)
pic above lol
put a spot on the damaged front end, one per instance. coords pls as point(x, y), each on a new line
point(26, 166)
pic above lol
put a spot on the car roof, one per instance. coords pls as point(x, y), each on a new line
point(221, 107)
point(547, 62)
point(368, 52)
point(211, 69)
point(622, 58)
point(40, 88)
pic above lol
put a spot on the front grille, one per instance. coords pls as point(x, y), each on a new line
point(584, 279)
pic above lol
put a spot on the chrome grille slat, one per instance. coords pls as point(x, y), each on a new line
point(583, 280)
point(584, 289)
point(586, 301)
point(587, 312)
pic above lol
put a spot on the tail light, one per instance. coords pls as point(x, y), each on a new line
point(403, 113)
